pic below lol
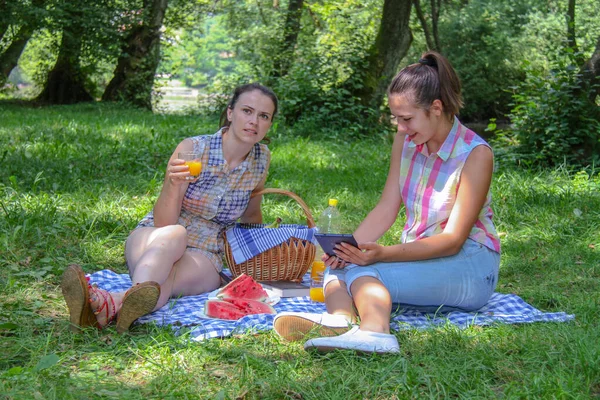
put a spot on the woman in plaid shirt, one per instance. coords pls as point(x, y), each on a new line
point(176, 249)
point(449, 253)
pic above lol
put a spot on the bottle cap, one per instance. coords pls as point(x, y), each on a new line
point(333, 202)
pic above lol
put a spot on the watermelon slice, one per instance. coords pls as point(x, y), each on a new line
point(252, 306)
point(243, 287)
point(223, 310)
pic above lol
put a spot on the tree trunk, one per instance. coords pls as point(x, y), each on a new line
point(432, 37)
point(4, 21)
point(291, 29)
point(571, 42)
point(435, 16)
point(133, 77)
point(591, 73)
point(391, 45)
point(29, 23)
point(424, 25)
point(65, 84)
point(10, 57)
point(589, 69)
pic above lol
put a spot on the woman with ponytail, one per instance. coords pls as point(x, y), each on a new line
point(449, 253)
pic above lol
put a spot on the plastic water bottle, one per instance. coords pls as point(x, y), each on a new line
point(328, 222)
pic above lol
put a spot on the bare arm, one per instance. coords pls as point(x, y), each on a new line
point(474, 185)
point(381, 218)
point(253, 213)
point(168, 205)
point(383, 215)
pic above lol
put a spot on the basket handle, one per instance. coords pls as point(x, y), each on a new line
point(309, 218)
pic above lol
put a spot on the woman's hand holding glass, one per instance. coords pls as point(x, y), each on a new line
point(185, 168)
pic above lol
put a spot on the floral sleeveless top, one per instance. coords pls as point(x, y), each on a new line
point(429, 187)
point(219, 197)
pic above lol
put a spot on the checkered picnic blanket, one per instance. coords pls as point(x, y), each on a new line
point(188, 312)
point(249, 240)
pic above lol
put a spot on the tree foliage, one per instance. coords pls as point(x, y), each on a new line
point(140, 49)
point(18, 22)
point(475, 39)
point(391, 45)
point(328, 60)
point(555, 114)
point(553, 120)
point(324, 67)
point(197, 55)
point(133, 78)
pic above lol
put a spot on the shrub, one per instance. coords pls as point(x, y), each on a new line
point(553, 120)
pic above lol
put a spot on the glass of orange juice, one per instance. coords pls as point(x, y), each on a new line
point(316, 281)
point(192, 160)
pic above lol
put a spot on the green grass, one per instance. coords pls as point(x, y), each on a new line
point(75, 181)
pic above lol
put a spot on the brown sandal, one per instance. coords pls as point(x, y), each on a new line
point(75, 290)
point(138, 301)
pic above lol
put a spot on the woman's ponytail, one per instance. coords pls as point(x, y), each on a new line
point(432, 78)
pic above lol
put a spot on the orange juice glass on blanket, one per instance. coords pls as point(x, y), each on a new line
point(192, 160)
point(316, 281)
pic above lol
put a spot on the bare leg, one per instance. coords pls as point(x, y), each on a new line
point(338, 319)
point(159, 255)
point(374, 306)
point(151, 252)
point(338, 301)
point(193, 274)
point(373, 303)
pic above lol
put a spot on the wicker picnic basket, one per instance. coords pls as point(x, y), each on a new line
point(288, 261)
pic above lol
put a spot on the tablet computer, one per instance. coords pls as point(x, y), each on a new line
point(327, 241)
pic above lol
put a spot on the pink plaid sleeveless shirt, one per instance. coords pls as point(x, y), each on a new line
point(219, 197)
point(429, 186)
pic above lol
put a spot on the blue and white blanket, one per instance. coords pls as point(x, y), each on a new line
point(188, 312)
point(249, 240)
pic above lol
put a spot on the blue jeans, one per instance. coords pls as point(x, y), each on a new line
point(463, 281)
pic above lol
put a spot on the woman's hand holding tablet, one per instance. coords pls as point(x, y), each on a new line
point(328, 241)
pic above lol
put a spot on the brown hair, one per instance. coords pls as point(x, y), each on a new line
point(238, 91)
point(432, 78)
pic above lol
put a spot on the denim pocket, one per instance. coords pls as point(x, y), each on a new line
point(472, 248)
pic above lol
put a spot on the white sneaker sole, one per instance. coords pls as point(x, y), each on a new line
point(356, 340)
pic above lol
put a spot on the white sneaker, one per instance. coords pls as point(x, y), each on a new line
point(355, 339)
point(296, 325)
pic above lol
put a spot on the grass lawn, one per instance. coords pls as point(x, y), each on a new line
point(75, 180)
